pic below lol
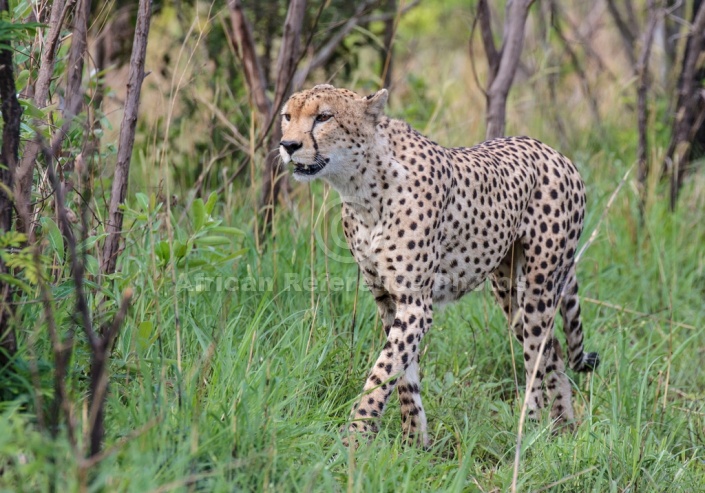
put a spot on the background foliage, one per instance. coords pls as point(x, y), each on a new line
point(241, 355)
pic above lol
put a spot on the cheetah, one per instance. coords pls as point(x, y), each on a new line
point(427, 224)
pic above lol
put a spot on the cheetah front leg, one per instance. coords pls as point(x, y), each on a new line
point(413, 418)
point(397, 366)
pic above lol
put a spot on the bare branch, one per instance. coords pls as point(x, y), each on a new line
point(642, 109)
point(325, 52)
point(77, 267)
point(289, 58)
point(388, 16)
point(575, 61)
point(245, 49)
point(517, 12)
point(79, 43)
point(485, 21)
point(289, 52)
point(690, 103)
point(11, 115)
point(127, 138)
point(62, 355)
point(73, 95)
point(628, 37)
point(99, 369)
point(390, 31)
point(24, 172)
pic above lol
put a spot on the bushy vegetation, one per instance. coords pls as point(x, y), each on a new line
point(241, 355)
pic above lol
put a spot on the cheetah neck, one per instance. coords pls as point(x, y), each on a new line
point(366, 189)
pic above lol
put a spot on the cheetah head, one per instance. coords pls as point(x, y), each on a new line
point(325, 131)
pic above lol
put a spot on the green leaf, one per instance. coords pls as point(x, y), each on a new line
point(193, 262)
point(143, 201)
point(56, 240)
point(64, 290)
point(180, 249)
point(90, 242)
point(213, 240)
point(199, 214)
point(162, 250)
point(232, 256)
point(29, 110)
point(14, 281)
point(21, 80)
point(210, 204)
point(227, 230)
point(92, 266)
point(144, 332)
point(12, 239)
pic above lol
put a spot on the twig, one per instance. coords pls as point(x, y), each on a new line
point(493, 56)
point(289, 57)
point(638, 313)
point(628, 37)
point(135, 77)
point(62, 355)
point(602, 218)
point(501, 81)
point(23, 183)
point(11, 116)
point(577, 66)
point(64, 349)
point(237, 138)
point(74, 95)
point(77, 267)
point(642, 70)
point(99, 374)
point(690, 100)
point(245, 49)
point(325, 52)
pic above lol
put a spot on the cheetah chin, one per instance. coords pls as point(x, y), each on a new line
point(427, 224)
point(309, 169)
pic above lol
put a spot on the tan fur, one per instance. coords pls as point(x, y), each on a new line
point(427, 224)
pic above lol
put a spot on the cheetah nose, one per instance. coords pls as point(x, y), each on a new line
point(291, 146)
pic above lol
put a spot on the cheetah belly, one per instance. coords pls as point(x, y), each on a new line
point(467, 259)
point(450, 286)
point(462, 270)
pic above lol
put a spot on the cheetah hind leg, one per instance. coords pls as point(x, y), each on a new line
point(507, 291)
point(578, 359)
point(543, 358)
point(510, 295)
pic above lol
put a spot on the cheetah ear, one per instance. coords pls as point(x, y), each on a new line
point(320, 87)
point(375, 102)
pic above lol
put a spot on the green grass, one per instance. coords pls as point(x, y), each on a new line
point(253, 395)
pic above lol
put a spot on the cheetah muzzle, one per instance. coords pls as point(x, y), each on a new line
point(427, 224)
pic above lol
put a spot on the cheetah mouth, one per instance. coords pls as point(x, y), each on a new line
point(310, 169)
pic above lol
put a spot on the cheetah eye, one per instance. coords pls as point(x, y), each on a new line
point(286, 117)
point(323, 117)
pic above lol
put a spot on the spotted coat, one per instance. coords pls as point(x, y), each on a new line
point(426, 224)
